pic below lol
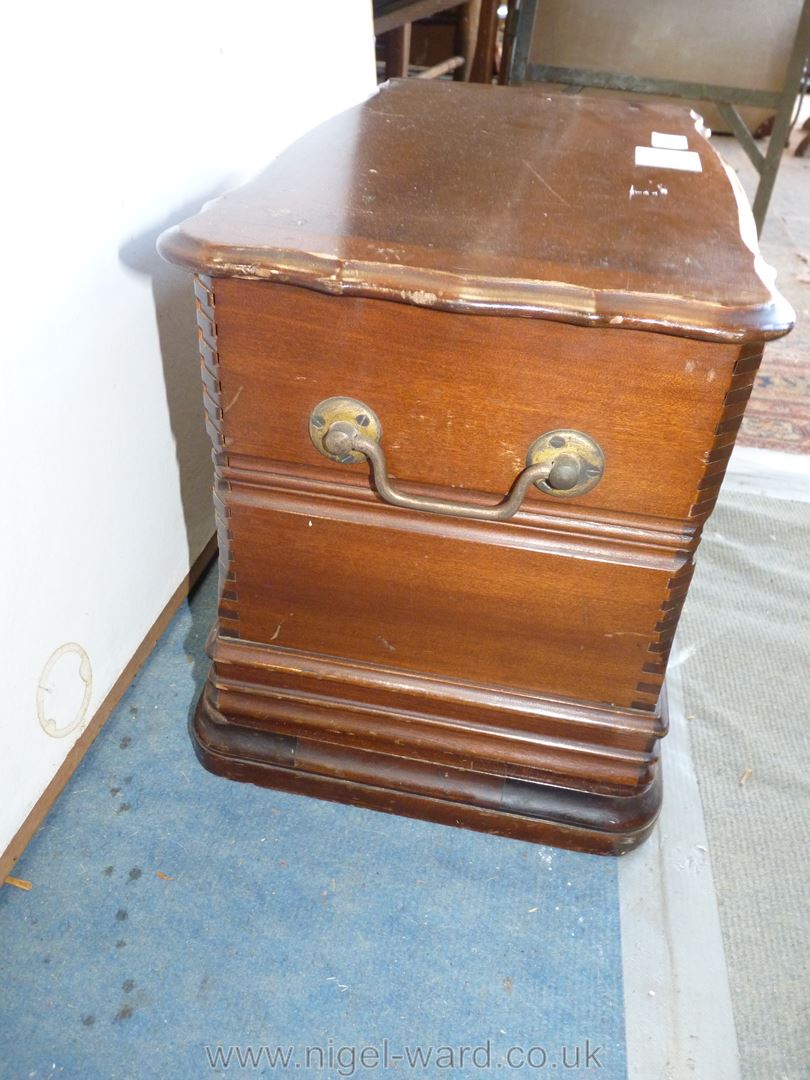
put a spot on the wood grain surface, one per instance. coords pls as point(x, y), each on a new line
point(461, 398)
point(501, 200)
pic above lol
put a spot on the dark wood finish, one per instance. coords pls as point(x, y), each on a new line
point(504, 676)
point(504, 201)
point(518, 378)
point(440, 577)
point(546, 813)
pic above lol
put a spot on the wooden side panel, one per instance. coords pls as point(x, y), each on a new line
point(439, 603)
point(462, 397)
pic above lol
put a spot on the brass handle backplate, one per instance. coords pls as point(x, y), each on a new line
point(563, 462)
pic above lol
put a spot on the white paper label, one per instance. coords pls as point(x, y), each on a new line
point(669, 142)
point(655, 157)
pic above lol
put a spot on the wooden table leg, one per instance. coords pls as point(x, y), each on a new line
point(397, 52)
point(467, 36)
point(483, 62)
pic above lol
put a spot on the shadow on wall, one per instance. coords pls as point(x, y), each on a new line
point(173, 297)
point(175, 316)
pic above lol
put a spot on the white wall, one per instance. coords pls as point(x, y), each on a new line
point(120, 120)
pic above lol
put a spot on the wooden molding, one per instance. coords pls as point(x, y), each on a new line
point(51, 793)
point(598, 819)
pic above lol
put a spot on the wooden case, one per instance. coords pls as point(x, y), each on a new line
point(475, 267)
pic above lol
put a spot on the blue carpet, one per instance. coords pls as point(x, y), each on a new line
point(174, 912)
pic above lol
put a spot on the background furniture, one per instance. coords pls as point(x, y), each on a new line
point(472, 59)
point(750, 54)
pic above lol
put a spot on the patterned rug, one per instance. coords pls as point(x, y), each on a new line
point(778, 415)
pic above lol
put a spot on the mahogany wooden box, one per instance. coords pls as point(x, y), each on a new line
point(448, 294)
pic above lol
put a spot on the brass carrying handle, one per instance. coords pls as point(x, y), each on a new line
point(563, 462)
